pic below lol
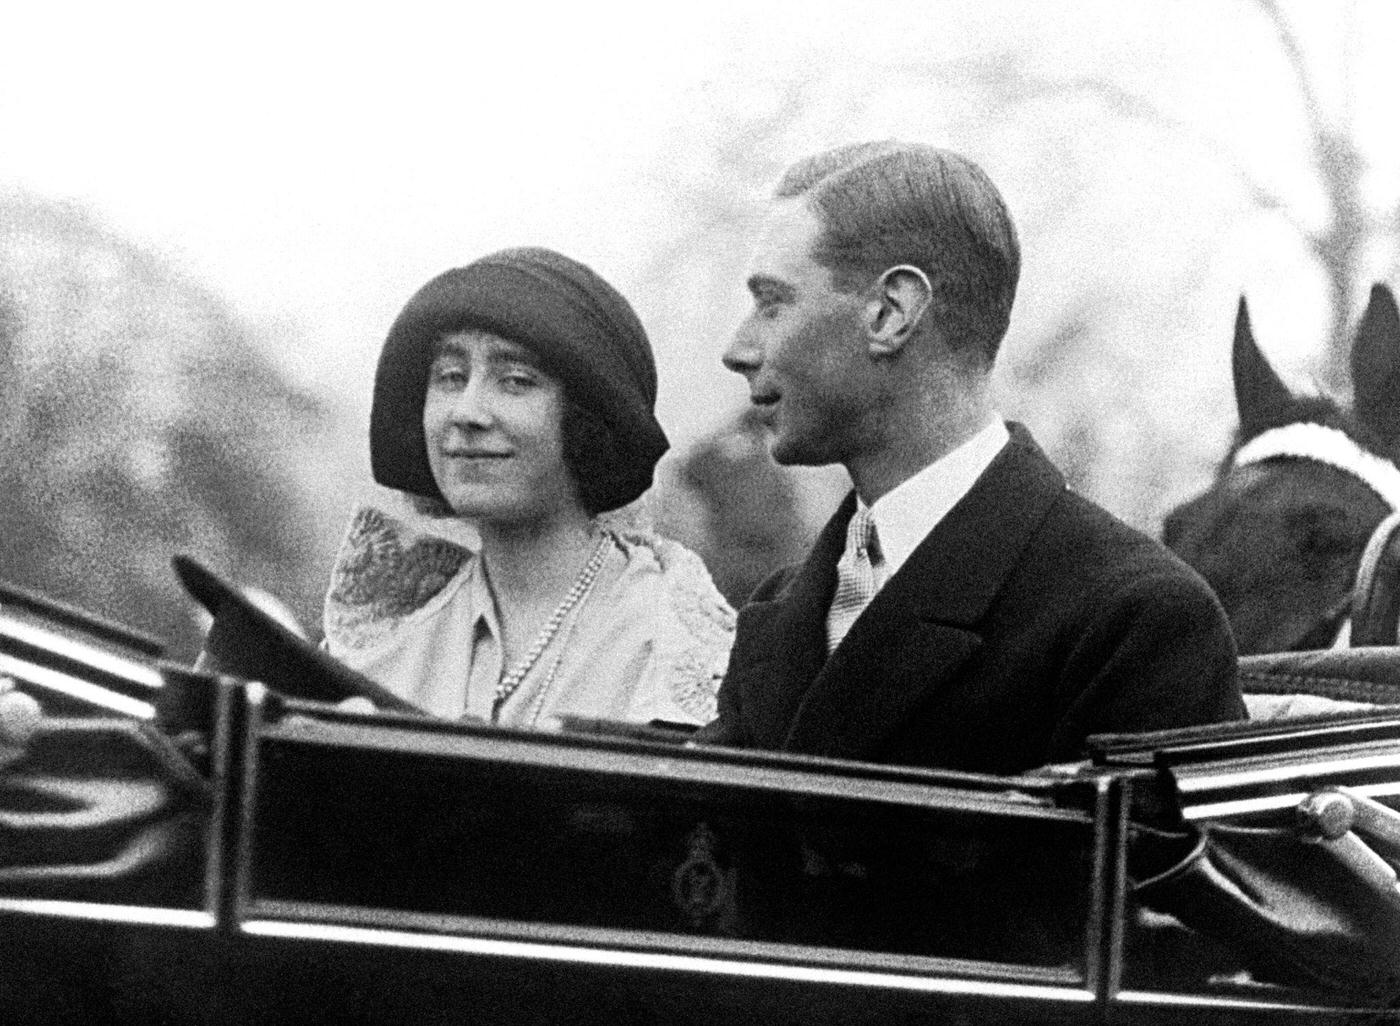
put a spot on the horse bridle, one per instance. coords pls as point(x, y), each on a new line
point(1336, 449)
point(1325, 630)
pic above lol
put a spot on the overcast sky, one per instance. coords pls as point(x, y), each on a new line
point(317, 162)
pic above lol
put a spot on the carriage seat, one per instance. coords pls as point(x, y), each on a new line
point(1284, 685)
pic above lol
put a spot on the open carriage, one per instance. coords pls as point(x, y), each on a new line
point(208, 849)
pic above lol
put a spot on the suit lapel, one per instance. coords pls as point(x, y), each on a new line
point(780, 645)
point(925, 622)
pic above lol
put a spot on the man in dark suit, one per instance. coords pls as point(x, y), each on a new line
point(963, 608)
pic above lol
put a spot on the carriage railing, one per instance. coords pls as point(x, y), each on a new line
point(1241, 770)
point(77, 663)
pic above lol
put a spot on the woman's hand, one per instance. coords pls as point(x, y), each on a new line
point(20, 716)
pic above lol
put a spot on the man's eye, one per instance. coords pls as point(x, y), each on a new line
point(519, 382)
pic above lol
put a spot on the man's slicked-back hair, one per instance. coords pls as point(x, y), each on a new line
point(888, 203)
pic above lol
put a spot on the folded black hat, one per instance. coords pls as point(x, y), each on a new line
point(581, 328)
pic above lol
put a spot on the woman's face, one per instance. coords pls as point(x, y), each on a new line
point(493, 423)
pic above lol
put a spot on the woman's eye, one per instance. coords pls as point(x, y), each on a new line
point(449, 375)
point(519, 382)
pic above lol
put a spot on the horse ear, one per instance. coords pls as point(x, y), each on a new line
point(1375, 367)
point(1261, 397)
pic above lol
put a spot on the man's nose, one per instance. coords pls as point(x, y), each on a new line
point(744, 354)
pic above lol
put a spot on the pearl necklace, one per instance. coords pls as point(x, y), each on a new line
point(537, 704)
point(583, 584)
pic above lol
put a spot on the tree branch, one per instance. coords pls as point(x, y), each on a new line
point(740, 140)
point(1318, 127)
point(1351, 47)
point(1017, 87)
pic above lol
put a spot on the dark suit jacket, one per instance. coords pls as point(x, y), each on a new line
point(1028, 619)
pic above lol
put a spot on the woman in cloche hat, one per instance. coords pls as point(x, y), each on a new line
point(518, 393)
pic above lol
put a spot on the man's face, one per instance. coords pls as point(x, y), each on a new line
point(493, 423)
point(801, 349)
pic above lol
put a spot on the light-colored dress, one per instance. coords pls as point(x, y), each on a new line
point(415, 612)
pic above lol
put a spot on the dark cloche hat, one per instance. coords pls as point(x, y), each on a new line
point(581, 329)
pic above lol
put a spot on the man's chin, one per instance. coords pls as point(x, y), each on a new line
point(790, 453)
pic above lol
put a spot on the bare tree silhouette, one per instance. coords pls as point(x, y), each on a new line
point(1341, 242)
point(140, 419)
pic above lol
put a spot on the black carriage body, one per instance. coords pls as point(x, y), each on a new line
point(324, 866)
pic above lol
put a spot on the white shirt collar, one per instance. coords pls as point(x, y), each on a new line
point(905, 515)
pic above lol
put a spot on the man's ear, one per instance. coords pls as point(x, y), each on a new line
point(896, 305)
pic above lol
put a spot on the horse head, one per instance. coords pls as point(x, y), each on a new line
point(1281, 530)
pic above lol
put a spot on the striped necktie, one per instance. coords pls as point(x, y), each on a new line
point(855, 577)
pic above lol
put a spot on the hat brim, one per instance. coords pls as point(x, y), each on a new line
point(245, 641)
